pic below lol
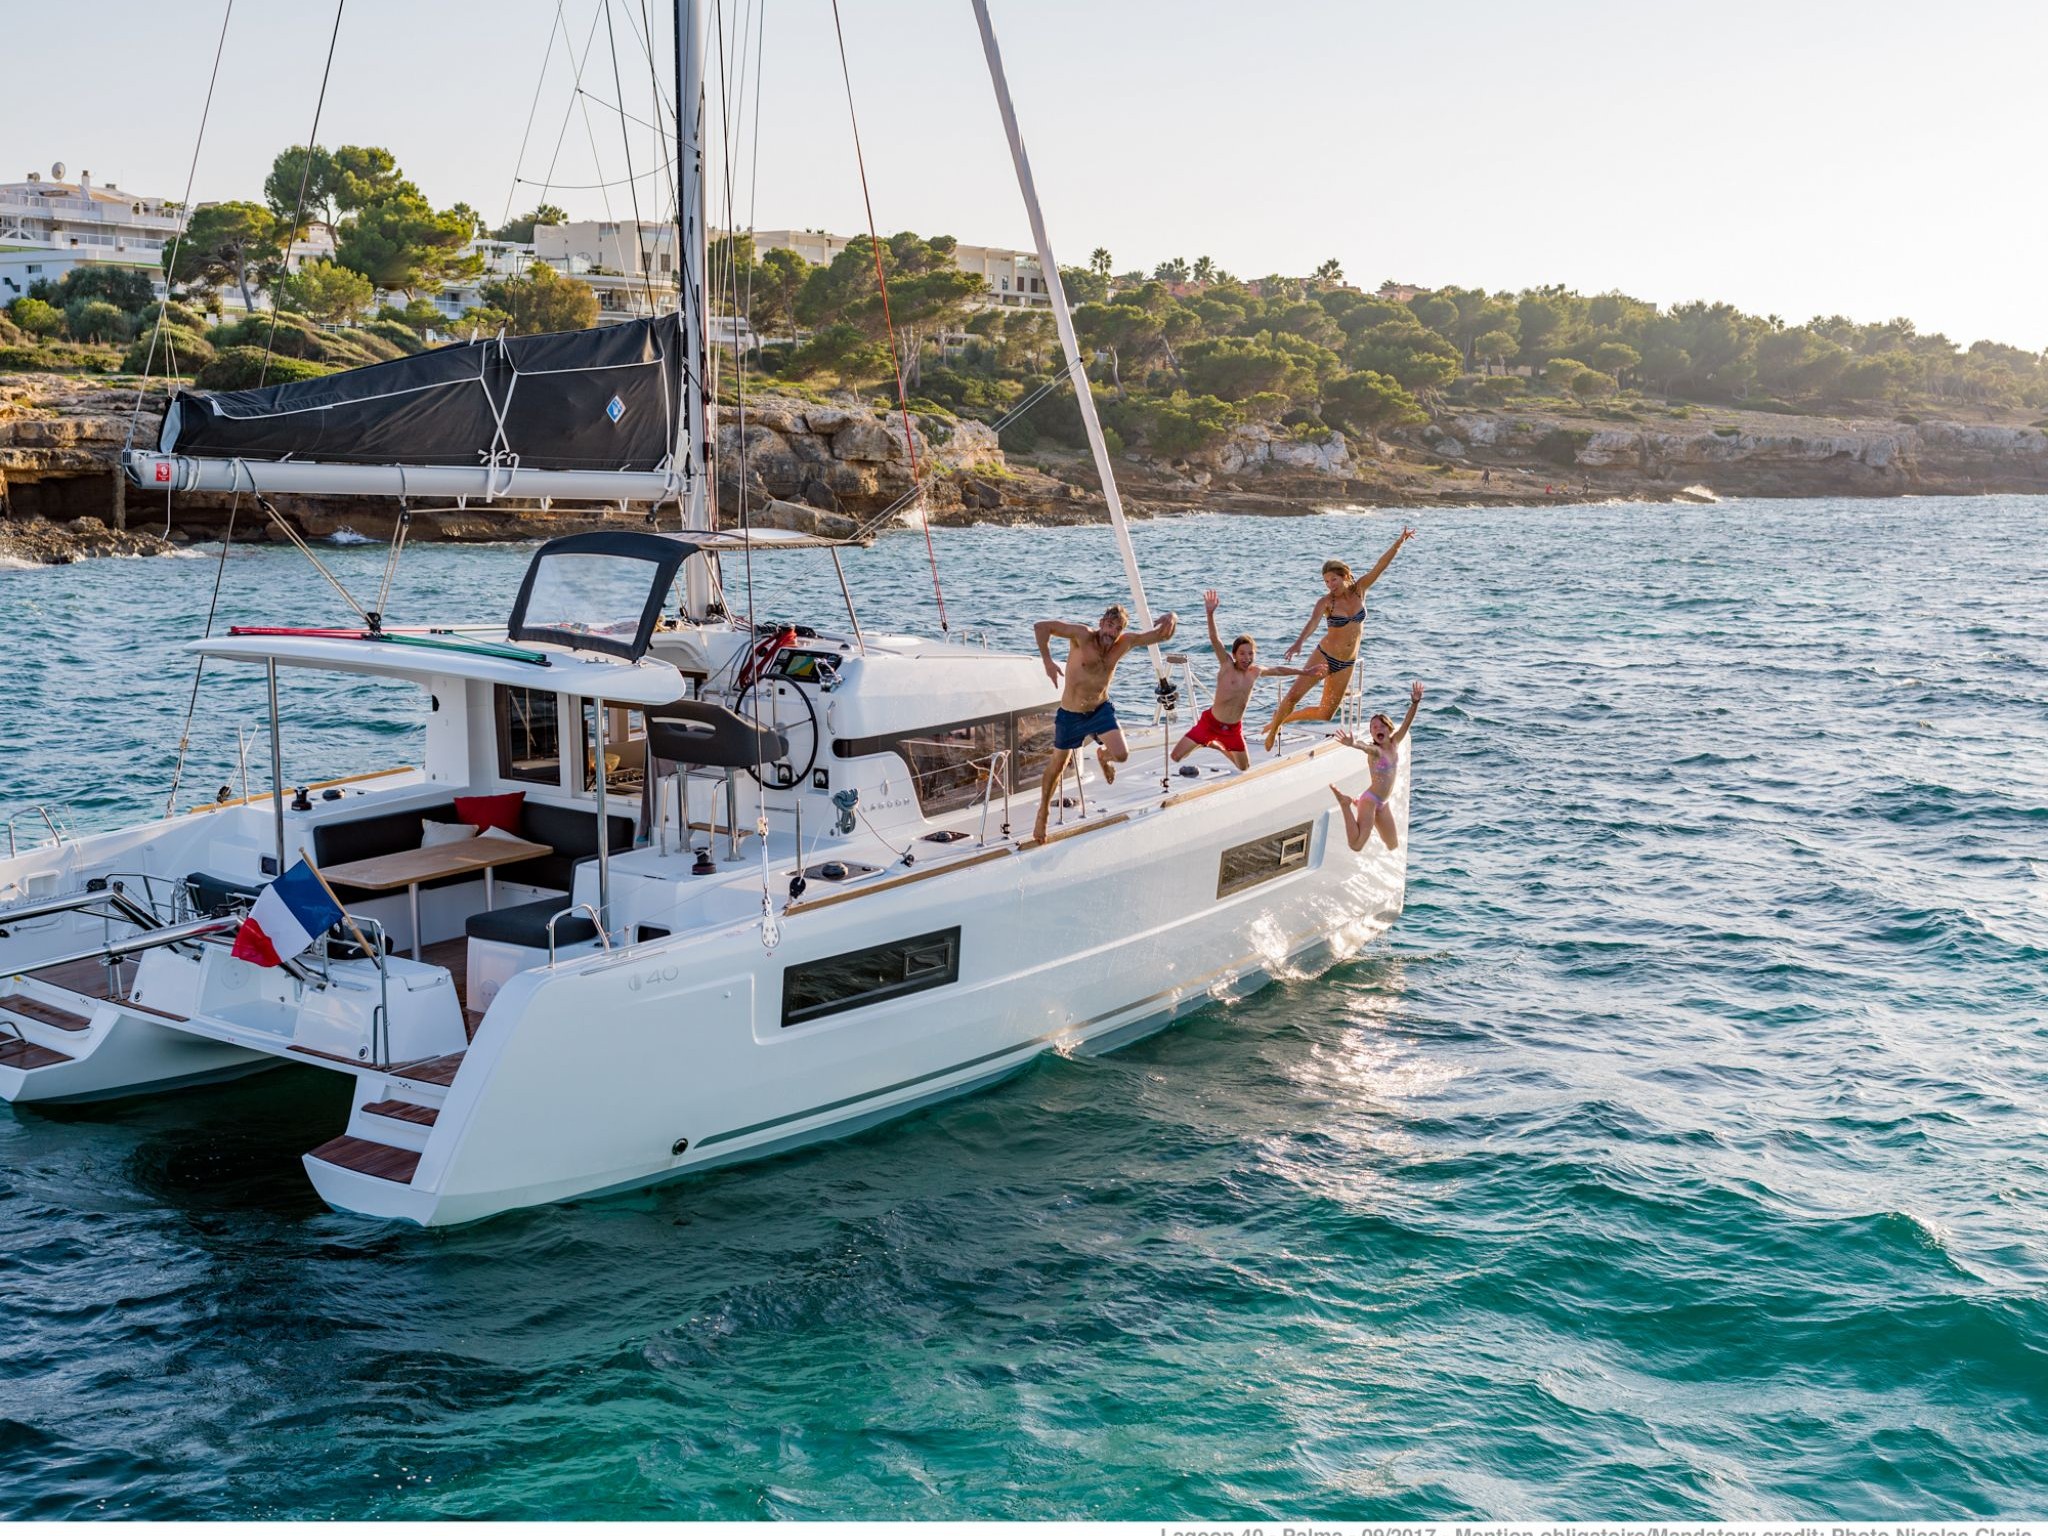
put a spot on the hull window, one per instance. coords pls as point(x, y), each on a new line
point(1263, 859)
point(819, 988)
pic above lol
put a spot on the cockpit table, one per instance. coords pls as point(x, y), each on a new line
point(411, 867)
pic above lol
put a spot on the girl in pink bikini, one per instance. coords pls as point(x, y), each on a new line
point(1383, 757)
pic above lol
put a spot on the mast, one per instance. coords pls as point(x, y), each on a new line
point(1064, 320)
point(695, 422)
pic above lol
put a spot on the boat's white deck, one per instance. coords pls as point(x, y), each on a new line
point(1146, 781)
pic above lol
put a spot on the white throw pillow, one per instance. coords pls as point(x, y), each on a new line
point(501, 835)
point(435, 833)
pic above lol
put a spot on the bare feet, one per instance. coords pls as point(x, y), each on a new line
point(1342, 798)
point(1038, 827)
point(1108, 768)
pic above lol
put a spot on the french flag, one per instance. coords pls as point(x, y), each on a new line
point(293, 911)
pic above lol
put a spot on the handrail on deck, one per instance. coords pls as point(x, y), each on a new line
point(58, 837)
point(581, 906)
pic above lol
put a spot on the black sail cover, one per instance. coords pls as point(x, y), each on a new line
point(604, 399)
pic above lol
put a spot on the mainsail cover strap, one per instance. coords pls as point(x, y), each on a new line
point(601, 399)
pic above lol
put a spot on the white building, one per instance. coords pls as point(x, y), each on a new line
point(502, 259)
point(1015, 279)
point(630, 267)
point(49, 227)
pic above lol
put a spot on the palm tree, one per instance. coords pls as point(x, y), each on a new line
point(1205, 270)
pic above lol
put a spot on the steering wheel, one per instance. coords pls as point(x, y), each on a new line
point(799, 725)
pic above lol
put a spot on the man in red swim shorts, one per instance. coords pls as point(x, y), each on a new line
point(1237, 669)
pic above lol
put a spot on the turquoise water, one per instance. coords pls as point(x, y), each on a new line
point(1682, 1152)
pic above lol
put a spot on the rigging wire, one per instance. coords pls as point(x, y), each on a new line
point(575, 91)
point(626, 141)
point(888, 324)
point(305, 179)
point(532, 110)
point(235, 502)
point(184, 221)
point(770, 933)
point(227, 542)
point(664, 110)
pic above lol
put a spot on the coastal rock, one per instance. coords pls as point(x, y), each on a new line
point(1255, 447)
point(863, 441)
point(824, 420)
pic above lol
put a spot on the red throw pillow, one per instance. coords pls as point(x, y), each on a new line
point(500, 811)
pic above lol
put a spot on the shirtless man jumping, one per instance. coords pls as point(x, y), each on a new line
point(1237, 669)
point(1085, 710)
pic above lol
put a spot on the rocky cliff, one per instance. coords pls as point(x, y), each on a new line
point(843, 467)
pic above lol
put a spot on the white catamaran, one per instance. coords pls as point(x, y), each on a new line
point(748, 886)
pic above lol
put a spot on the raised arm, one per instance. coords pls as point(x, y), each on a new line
point(1414, 703)
point(1049, 630)
point(1210, 600)
point(1163, 630)
point(1380, 565)
point(1315, 617)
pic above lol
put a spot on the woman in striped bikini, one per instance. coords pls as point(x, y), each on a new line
point(1342, 606)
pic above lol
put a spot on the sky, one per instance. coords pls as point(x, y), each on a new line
point(1796, 158)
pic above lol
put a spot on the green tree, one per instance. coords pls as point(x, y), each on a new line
point(1329, 273)
point(362, 175)
point(1182, 423)
point(289, 172)
point(481, 322)
point(1204, 270)
point(225, 242)
point(1559, 372)
point(1174, 271)
point(1436, 312)
point(779, 279)
point(1370, 403)
point(1237, 367)
point(126, 288)
point(1123, 328)
point(97, 320)
point(541, 300)
point(326, 291)
point(1613, 357)
point(1590, 384)
point(1414, 357)
point(520, 230)
point(1099, 262)
point(417, 316)
point(36, 317)
point(1084, 285)
point(400, 242)
point(845, 352)
point(1496, 347)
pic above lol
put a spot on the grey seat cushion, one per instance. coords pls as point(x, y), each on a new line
point(526, 925)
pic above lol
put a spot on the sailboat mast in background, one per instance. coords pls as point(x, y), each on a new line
point(1077, 371)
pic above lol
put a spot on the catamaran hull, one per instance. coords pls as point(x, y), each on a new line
point(630, 1070)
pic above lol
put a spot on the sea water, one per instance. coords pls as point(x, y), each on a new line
point(1683, 1150)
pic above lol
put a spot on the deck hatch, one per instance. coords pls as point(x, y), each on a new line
point(1262, 859)
point(817, 989)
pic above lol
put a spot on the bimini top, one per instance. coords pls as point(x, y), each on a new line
point(601, 399)
point(418, 655)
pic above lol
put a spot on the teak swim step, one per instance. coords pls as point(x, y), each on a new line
point(402, 1109)
point(378, 1159)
